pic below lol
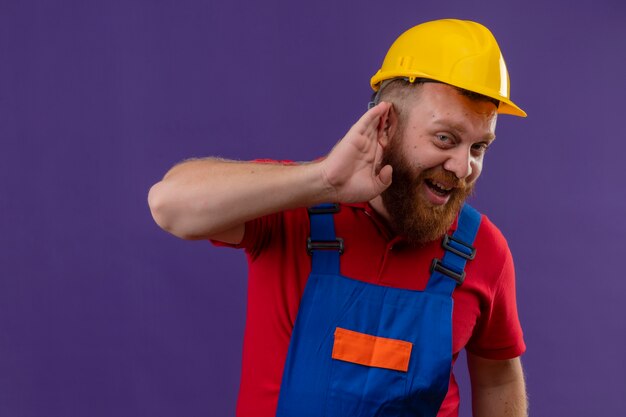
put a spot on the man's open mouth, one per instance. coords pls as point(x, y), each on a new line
point(438, 188)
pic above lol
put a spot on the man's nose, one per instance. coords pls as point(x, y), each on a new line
point(459, 163)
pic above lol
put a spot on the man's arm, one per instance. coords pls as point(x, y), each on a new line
point(498, 387)
point(212, 198)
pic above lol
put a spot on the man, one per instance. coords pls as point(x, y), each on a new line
point(350, 307)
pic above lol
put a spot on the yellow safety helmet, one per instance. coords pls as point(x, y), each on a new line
point(461, 53)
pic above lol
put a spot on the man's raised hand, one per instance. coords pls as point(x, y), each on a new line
point(352, 169)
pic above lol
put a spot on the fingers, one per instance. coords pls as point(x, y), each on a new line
point(368, 123)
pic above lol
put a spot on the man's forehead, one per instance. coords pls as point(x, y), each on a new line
point(444, 100)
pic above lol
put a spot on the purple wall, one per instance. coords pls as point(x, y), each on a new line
point(103, 314)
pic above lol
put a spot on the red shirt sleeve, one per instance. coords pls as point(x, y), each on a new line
point(498, 334)
point(255, 235)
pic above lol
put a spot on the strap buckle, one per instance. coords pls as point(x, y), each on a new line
point(336, 244)
point(460, 249)
point(438, 266)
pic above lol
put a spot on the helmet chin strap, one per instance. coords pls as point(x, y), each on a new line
point(375, 98)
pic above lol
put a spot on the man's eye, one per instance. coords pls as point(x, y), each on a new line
point(443, 138)
point(480, 147)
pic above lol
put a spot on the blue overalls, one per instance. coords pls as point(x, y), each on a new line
point(359, 349)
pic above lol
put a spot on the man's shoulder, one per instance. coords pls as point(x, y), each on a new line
point(494, 260)
point(490, 238)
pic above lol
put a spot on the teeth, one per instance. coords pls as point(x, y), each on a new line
point(441, 186)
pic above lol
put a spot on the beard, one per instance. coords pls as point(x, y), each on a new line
point(411, 214)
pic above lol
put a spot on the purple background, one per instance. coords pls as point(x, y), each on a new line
point(104, 314)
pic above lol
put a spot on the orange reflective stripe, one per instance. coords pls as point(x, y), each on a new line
point(364, 349)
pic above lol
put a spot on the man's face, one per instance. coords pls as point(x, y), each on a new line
point(436, 155)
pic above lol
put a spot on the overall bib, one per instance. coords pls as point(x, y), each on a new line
point(362, 350)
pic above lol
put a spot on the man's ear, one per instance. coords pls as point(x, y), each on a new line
point(387, 126)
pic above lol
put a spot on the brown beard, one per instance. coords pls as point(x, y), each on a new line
point(411, 214)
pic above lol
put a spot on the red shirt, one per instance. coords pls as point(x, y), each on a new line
point(485, 319)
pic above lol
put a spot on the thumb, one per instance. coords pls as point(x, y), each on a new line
point(384, 177)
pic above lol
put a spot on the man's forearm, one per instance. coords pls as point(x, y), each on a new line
point(204, 197)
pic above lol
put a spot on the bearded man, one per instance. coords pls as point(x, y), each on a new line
point(368, 273)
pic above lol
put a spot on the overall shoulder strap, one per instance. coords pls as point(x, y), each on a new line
point(323, 246)
point(449, 272)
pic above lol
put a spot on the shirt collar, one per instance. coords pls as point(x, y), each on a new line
point(383, 225)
